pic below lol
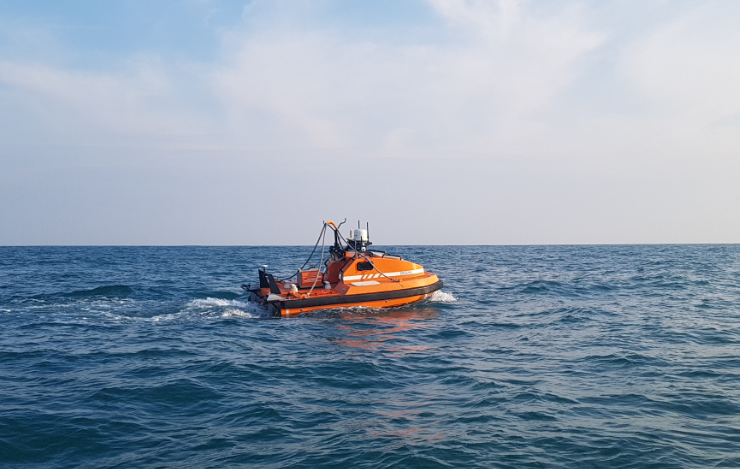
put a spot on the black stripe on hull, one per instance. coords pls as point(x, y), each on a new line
point(353, 299)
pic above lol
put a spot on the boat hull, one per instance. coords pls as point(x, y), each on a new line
point(384, 299)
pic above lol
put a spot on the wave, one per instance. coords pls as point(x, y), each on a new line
point(227, 295)
point(210, 302)
point(542, 286)
point(227, 308)
point(442, 297)
point(106, 290)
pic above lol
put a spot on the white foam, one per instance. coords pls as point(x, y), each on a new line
point(165, 317)
point(218, 302)
point(442, 297)
point(238, 313)
point(227, 308)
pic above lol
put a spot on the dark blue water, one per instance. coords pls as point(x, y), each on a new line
point(581, 356)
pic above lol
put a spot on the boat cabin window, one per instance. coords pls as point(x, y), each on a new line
point(364, 266)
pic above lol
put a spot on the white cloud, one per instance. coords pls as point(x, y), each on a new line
point(489, 19)
point(691, 67)
point(504, 82)
point(140, 100)
point(404, 99)
point(494, 86)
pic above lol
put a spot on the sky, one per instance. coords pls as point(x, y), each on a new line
point(224, 122)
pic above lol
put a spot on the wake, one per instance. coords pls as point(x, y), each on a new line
point(442, 297)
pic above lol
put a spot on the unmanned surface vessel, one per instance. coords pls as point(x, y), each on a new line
point(353, 275)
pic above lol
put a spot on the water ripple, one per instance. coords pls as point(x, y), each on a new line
point(533, 356)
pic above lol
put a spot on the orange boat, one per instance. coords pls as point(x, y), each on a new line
point(352, 275)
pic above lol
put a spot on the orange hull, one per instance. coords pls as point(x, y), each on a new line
point(383, 287)
point(367, 304)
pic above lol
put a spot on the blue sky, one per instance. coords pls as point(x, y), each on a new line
point(439, 121)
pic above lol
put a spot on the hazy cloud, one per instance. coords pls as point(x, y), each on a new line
point(626, 103)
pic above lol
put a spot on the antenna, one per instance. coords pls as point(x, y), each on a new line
point(358, 224)
point(368, 231)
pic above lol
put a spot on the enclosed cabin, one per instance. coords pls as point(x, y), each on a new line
point(357, 263)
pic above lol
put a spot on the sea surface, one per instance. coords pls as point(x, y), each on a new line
point(530, 357)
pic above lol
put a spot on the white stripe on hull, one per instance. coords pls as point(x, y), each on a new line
point(349, 278)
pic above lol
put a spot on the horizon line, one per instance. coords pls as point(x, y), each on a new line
point(385, 245)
